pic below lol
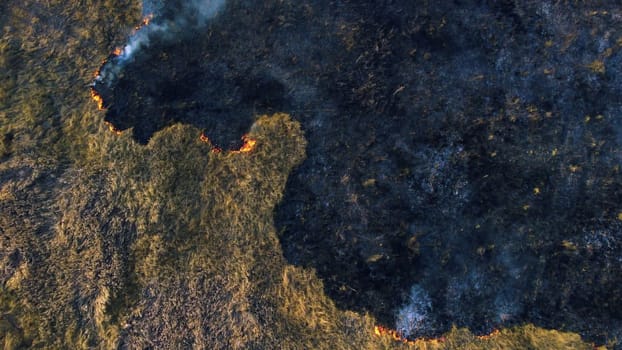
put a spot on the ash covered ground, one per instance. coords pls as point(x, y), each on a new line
point(463, 158)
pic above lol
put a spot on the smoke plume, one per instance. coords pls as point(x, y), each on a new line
point(164, 21)
point(170, 18)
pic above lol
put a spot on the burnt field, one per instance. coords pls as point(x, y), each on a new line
point(463, 159)
point(413, 165)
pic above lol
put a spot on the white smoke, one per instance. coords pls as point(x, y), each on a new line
point(139, 40)
point(202, 10)
point(206, 9)
point(152, 7)
point(413, 319)
point(192, 15)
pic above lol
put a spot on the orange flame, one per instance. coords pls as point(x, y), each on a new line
point(117, 52)
point(144, 22)
point(492, 334)
point(249, 145)
point(147, 19)
point(206, 139)
point(98, 99)
point(381, 331)
point(113, 129)
point(98, 72)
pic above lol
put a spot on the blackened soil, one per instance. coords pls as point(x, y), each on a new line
point(170, 83)
point(468, 148)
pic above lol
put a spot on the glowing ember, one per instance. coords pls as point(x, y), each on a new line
point(395, 335)
point(492, 334)
point(381, 331)
point(205, 139)
point(145, 21)
point(118, 51)
point(98, 99)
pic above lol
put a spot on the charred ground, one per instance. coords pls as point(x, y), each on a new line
point(470, 149)
point(175, 81)
point(462, 167)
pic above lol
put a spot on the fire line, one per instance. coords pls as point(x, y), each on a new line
point(248, 145)
point(98, 99)
point(381, 331)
